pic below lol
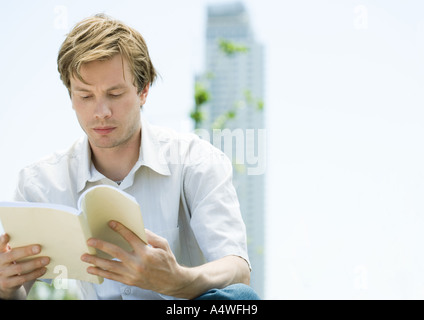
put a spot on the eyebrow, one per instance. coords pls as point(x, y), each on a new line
point(80, 89)
point(119, 86)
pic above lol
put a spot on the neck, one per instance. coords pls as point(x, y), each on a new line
point(116, 163)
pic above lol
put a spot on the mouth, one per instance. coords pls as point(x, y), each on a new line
point(104, 130)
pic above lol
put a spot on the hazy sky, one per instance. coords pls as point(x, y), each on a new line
point(344, 110)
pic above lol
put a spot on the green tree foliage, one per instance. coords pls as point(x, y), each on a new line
point(231, 48)
point(201, 97)
point(202, 94)
point(44, 291)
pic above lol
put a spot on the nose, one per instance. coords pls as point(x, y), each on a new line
point(103, 110)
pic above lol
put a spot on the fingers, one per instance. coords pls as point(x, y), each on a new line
point(105, 268)
point(153, 239)
point(136, 267)
point(22, 268)
point(102, 265)
point(126, 233)
point(14, 271)
point(109, 248)
point(8, 256)
point(9, 265)
point(17, 281)
point(19, 253)
point(115, 251)
point(156, 241)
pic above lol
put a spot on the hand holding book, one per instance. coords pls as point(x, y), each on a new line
point(13, 274)
point(62, 232)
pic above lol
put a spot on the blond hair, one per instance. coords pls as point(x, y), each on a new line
point(100, 38)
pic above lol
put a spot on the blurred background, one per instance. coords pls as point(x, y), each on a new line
point(336, 86)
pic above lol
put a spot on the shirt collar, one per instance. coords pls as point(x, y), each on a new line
point(151, 153)
point(84, 163)
point(151, 156)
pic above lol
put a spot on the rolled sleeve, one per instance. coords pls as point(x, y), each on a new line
point(216, 219)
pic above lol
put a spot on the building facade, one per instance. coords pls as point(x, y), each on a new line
point(235, 118)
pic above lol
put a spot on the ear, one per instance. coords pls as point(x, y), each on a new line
point(143, 94)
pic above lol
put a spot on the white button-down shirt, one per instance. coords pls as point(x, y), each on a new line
point(182, 183)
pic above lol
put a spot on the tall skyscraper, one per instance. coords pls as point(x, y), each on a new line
point(235, 69)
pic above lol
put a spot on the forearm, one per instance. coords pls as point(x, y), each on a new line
point(217, 274)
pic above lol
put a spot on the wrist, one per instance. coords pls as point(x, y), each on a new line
point(189, 285)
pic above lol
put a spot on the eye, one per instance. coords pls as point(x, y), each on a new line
point(115, 95)
point(86, 97)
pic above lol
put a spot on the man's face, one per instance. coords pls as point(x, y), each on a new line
point(108, 106)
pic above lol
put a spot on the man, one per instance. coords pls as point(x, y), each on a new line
point(197, 241)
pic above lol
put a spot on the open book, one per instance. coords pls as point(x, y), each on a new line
point(63, 231)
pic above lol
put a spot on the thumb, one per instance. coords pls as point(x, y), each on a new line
point(4, 243)
point(156, 241)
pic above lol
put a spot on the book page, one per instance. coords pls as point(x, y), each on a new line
point(102, 204)
point(57, 229)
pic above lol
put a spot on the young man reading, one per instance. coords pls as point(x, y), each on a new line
point(197, 241)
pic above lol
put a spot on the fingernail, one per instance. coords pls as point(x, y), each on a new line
point(112, 224)
point(91, 242)
point(45, 261)
point(35, 249)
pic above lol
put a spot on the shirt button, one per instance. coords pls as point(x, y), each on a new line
point(127, 291)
